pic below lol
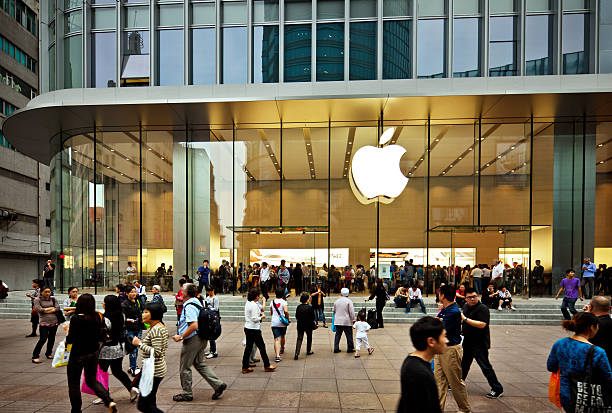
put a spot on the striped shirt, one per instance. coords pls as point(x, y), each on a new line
point(156, 340)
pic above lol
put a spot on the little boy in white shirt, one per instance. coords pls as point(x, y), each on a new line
point(361, 336)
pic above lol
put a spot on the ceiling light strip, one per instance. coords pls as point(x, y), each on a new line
point(433, 144)
point(309, 153)
point(350, 140)
point(268, 146)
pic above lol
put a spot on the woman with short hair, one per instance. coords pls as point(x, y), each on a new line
point(132, 309)
point(278, 308)
point(46, 307)
point(252, 330)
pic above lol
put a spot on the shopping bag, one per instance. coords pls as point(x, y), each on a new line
point(333, 325)
point(554, 389)
point(146, 375)
point(101, 377)
point(62, 354)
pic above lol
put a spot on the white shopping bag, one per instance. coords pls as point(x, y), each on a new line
point(146, 377)
point(62, 354)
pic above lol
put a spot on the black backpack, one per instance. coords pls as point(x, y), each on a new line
point(209, 323)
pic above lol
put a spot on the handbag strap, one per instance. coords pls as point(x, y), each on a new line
point(276, 308)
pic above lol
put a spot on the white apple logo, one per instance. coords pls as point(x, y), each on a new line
point(375, 172)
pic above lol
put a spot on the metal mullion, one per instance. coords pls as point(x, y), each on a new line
point(484, 60)
point(379, 41)
point(558, 69)
point(450, 21)
point(186, 44)
point(521, 31)
point(249, 39)
point(119, 35)
point(153, 49)
point(594, 36)
point(218, 34)
point(281, 41)
point(347, 45)
point(413, 49)
point(313, 43)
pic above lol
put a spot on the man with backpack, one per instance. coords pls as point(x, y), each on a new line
point(191, 333)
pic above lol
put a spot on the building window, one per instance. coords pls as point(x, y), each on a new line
point(297, 10)
point(204, 48)
point(170, 57)
point(16, 53)
point(431, 50)
point(503, 44)
point(104, 59)
point(397, 53)
point(466, 47)
point(538, 45)
point(330, 51)
point(298, 53)
point(135, 65)
point(575, 43)
point(234, 55)
point(48, 223)
point(605, 37)
point(362, 52)
point(47, 186)
point(73, 62)
point(265, 54)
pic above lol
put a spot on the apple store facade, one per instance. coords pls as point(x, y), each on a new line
point(325, 132)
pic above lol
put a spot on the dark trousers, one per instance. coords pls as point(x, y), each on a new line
point(590, 283)
point(213, 346)
point(46, 334)
point(254, 337)
point(89, 364)
point(117, 370)
point(264, 289)
point(149, 404)
point(348, 332)
point(480, 353)
point(379, 315)
point(49, 282)
point(300, 338)
point(571, 304)
point(202, 286)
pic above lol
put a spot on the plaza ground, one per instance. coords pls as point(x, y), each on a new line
point(323, 382)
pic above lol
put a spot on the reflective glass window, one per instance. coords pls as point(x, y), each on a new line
point(104, 18)
point(265, 54)
point(73, 62)
point(204, 56)
point(362, 54)
point(363, 8)
point(170, 57)
point(431, 48)
point(330, 9)
point(52, 68)
point(298, 53)
point(104, 59)
point(605, 38)
point(502, 46)
point(538, 5)
point(575, 39)
point(431, 7)
point(396, 50)
point(170, 14)
point(466, 47)
point(502, 6)
point(466, 7)
point(104, 1)
point(234, 12)
point(73, 22)
point(137, 16)
point(69, 4)
point(397, 8)
point(298, 10)
point(265, 11)
point(330, 51)
point(538, 45)
point(575, 4)
point(203, 13)
point(234, 56)
point(135, 64)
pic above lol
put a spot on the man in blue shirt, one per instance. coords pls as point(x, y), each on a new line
point(588, 277)
point(447, 366)
point(192, 351)
point(203, 275)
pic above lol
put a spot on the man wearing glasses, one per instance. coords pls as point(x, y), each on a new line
point(477, 341)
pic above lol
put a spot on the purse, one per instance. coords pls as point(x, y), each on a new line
point(554, 389)
point(589, 395)
point(59, 314)
point(282, 318)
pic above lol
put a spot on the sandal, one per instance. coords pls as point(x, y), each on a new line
point(49, 357)
point(36, 361)
point(249, 370)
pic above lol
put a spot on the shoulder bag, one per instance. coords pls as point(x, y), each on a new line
point(589, 394)
point(58, 313)
point(282, 318)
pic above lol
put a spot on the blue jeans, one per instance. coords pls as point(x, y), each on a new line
point(415, 301)
point(133, 356)
point(478, 285)
point(319, 315)
point(568, 302)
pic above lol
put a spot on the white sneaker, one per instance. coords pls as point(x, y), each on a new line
point(499, 309)
point(513, 309)
point(97, 401)
point(136, 371)
point(134, 394)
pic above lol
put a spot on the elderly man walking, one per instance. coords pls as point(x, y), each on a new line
point(344, 317)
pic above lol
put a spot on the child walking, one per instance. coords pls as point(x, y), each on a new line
point(361, 336)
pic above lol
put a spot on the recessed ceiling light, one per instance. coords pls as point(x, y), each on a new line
point(443, 172)
point(601, 161)
point(499, 157)
point(112, 150)
point(487, 164)
point(122, 174)
point(309, 154)
point(451, 165)
point(600, 145)
point(152, 173)
point(163, 158)
point(108, 167)
point(149, 148)
point(127, 159)
point(437, 139)
point(512, 147)
point(470, 149)
point(460, 158)
point(513, 171)
point(267, 145)
point(310, 161)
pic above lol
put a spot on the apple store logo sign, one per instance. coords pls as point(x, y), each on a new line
point(375, 171)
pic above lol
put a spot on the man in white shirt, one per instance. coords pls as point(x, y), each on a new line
point(142, 292)
point(497, 275)
point(416, 297)
point(264, 279)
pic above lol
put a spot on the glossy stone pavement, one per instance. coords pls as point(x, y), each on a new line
point(323, 382)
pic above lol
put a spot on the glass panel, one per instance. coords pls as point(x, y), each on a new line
point(137, 17)
point(538, 45)
point(51, 4)
point(605, 38)
point(502, 46)
point(135, 65)
point(298, 52)
point(501, 6)
point(363, 8)
point(265, 54)
point(170, 57)
point(69, 4)
point(330, 9)
point(538, 5)
point(203, 13)
point(73, 62)
point(104, 18)
point(575, 44)
point(73, 22)
point(104, 1)
point(204, 56)
point(52, 32)
point(330, 51)
point(466, 48)
point(575, 5)
point(431, 48)
point(466, 7)
point(234, 44)
point(362, 65)
point(396, 50)
point(397, 8)
point(104, 59)
point(431, 8)
point(52, 68)
point(265, 11)
point(298, 10)
point(170, 14)
point(234, 12)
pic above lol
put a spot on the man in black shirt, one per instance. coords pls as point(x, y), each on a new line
point(49, 275)
point(419, 390)
point(477, 341)
point(600, 306)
